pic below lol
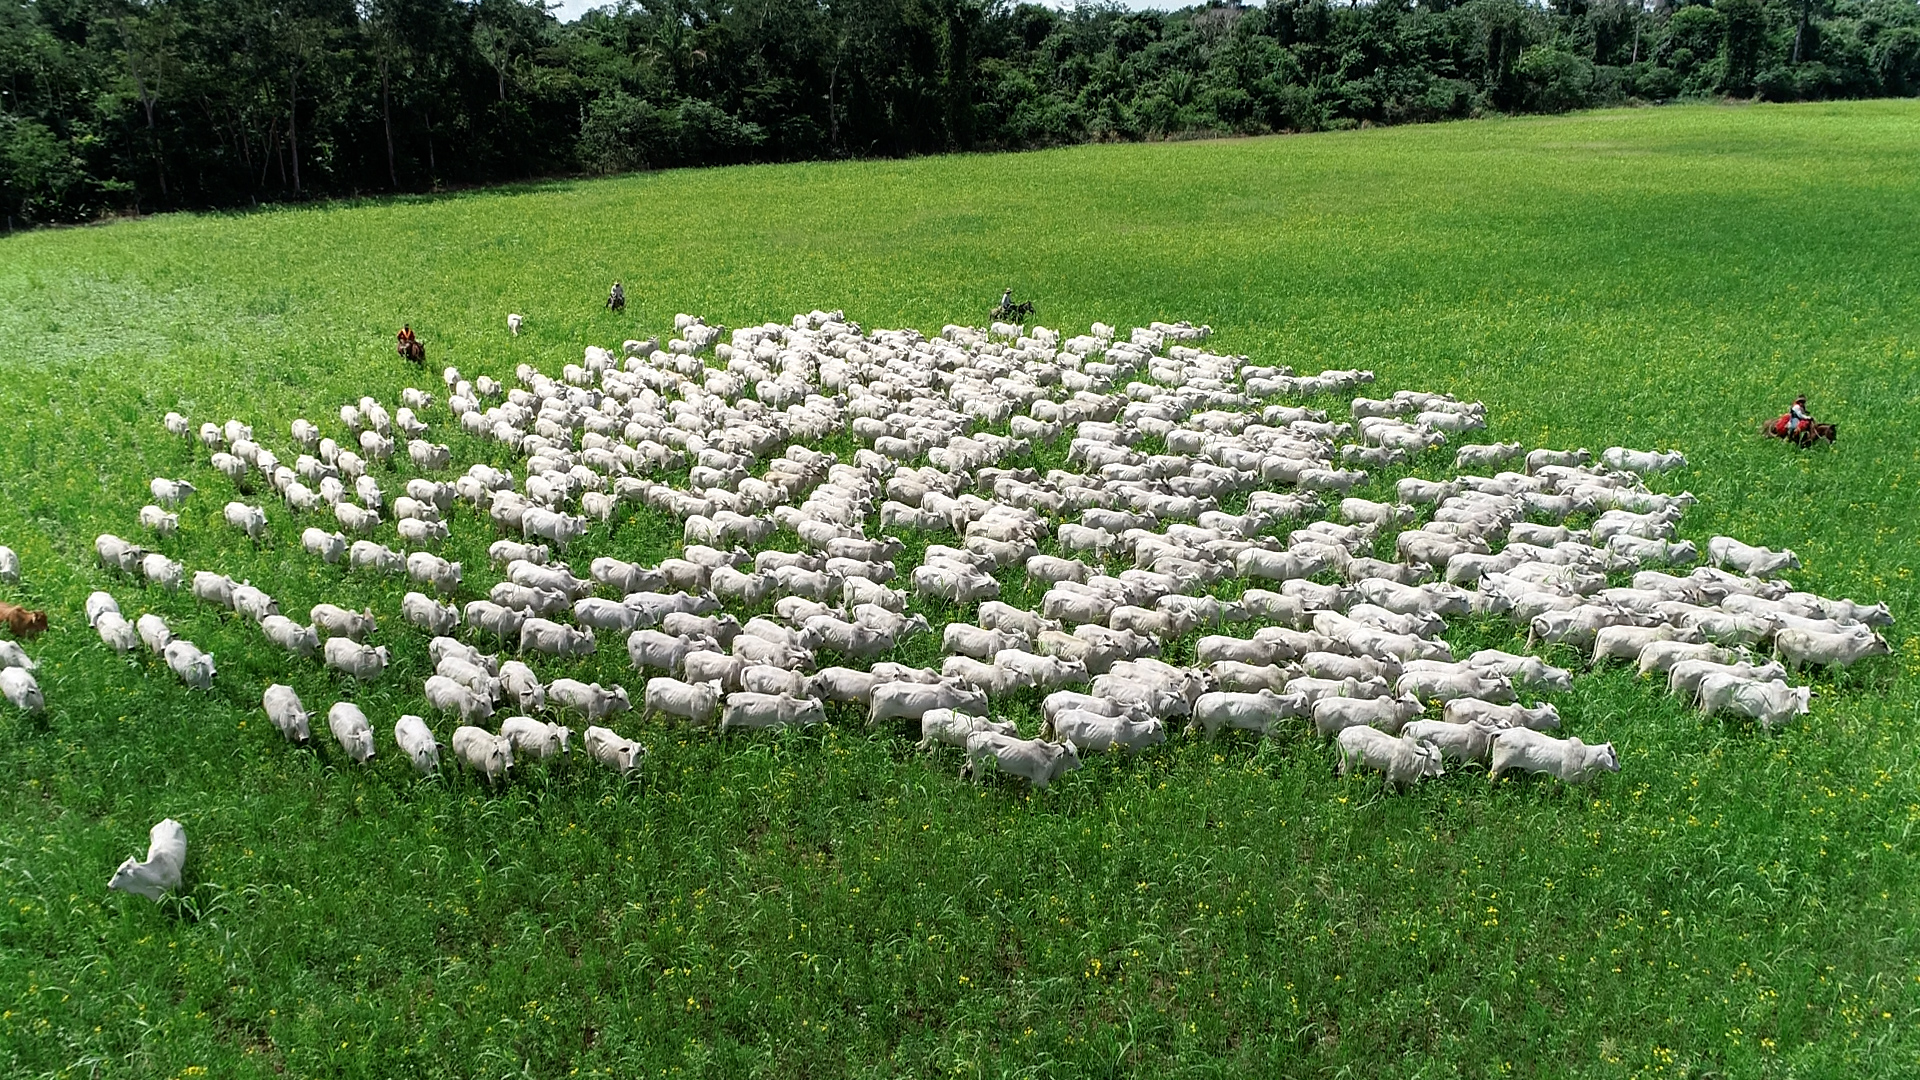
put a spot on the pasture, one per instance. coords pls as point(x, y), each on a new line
point(833, 903)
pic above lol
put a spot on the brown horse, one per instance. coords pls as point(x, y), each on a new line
point(1805, 437)
point(413, 350)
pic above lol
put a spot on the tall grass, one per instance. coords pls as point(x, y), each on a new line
point(832, 903)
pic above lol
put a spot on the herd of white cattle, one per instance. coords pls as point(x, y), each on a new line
point(1161, 432)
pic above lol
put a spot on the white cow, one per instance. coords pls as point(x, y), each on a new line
point(1571, 760)
point(160, 521)
point(430, 569)
point(533, 739)
point(1813, 647)
point(420, 610)
point(1332, 715)
point(169, 492)
point(608, 748)
point(1471, 741)
point(1401, 760)
point(590, 700)
point(162, 571)
point(194, 668)
point(750, 710)
point(557, 639)
point(1092, 732)
point(286, 713)
point(329, 546)
point(160, 873)
point(21, 690)
point(912, 700)
point(485, 753)
point(1759, 562)
point(1539, 716)
point(415, 739)
point(519, 684)
point(248, 519)
point(1038, 761)
point(1259, 711)
point(289, 635)
point(116, 632)
point(154, 632)
point(351, 730)
point(362, 662)
point(1770, 703)
point(697, 703)
point(949, 727)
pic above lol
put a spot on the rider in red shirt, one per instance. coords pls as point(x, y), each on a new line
point(1798, 418)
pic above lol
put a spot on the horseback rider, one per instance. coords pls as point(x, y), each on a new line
point(1798, 418)
point(405, 337)
point(617, 298)
point(1006, 300)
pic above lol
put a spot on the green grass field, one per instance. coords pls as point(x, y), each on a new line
point(833, 904)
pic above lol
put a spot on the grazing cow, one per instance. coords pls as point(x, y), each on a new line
point(1089, 731)
point(160, 873)
point(912, 700)
point(415, 739)
point(746, 709)
point(1401, 760)
point(534, 740)
point(13, 656)
point(248, 519)
point(608, 748)
point(25, 624)
point(1573, 761)
point(1770, 703)
point(339, 622)
point(1037, 761)
point(289, 635)
point(98, 604)
point(116, 632)
point(286, 713)
point(1471, 741)
point(556, 639)
point(162, 571)
point(21, 689)
point(159, 521)
point(1814, 647)
point(590, 700)
point(363, 663)
point(485, 753)
point(193, 667)
point(1332, 715)
point(351, 730)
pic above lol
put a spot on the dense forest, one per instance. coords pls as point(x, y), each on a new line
point(112, 106)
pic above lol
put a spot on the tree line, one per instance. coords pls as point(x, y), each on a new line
point(111, 106)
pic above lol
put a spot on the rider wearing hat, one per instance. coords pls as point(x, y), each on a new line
point(1798, 418)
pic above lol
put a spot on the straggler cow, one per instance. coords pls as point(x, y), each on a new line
point(285, 712)
point(1401, 760)
point(351, 730)
point(21, 690)
point(1813, 647)
point(1769, 703)
point(1760, 562)
point(160, 873)
point(363, 663)
point(1573, 761)
point(485, 753)
point(947, 727)
point(534, 740)
point(1039, 763)
point(610, 749)
point(590, 700)
point(415, 739)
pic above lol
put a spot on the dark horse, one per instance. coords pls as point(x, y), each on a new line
point(412, 350)
point(1805, 437)
point(1008, 311)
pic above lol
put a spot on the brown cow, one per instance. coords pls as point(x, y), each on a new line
point(26, 625)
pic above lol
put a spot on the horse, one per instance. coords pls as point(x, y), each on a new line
point(1805, 437)
point(1014, 313)
point(412, 350)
